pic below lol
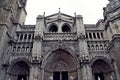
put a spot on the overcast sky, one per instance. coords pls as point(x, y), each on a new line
point(91, 10)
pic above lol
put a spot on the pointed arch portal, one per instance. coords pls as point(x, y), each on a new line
point(102, 70)
point(19, 71)
point(60, 65)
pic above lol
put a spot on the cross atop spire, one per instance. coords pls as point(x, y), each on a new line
point(59, 10)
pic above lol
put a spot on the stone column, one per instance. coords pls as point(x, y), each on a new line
point(96, 36)
point(89, 71)
point(92, 36)
point(112, 28)
point(34, 72)
point(42, 74)
point(79, 74)
point(18, 38)
point(112, 75)
point(79, 25)
point(116, 71)
point(108, 76)
point(86, 72)
point(36, 51)
point(27, 37)
point(81, 35)
point(31, 73)
point(59, 27)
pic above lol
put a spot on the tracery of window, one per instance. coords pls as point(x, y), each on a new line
point(66, 28)
point(53, 28)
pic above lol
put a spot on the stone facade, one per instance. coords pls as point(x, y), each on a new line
point(59, 46)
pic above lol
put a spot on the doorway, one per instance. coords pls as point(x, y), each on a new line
point(60, 75)
point(99, 76)
point(22, 77)
point(56, 76)
point(101, 70)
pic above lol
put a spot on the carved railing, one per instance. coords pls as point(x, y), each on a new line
point(27, 40)
point(20, 55)
point(60, 36)
point(94, 54)
point(98, 45)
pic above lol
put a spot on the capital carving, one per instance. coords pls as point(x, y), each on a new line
point(36, 59)
point(38, 37)
point(84, 58)
point(81, 36)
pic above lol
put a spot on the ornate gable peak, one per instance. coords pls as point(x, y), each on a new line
point(59, 14)
point(59, 17)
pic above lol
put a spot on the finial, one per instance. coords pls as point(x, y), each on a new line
point(44, 13)
point(75, 14)
point(59, 10)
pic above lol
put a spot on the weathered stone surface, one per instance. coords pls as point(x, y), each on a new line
point(59, 46)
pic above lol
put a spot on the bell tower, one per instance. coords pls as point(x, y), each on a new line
point(111, 17)
point(112, 29)
point(12, 16)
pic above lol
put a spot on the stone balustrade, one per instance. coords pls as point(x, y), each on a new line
point(98, 45)
point(24, 37)
point(59, 36)
point(94, 54)
point(17, 55)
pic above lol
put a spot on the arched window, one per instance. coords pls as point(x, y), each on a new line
point(66, 28)
point(18, 49)
point(32, 36)
point(98, 35)
point(25, 37)
point(30, 49)
point(18, 36)
point(21, 37)
point(23, 48)
point(92, 47)
point(29, 37)
point(105, 47)
point(90, 35)
point(88, 47)
point(27, 49)
point(14, 48)
point(94, 35)
point(97, 47)
point(101, 47)
point(53, 28)
point(86, 35)
point(102, 35)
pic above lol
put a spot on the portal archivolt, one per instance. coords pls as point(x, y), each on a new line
point(19, 71)
point(102, 70)
point(60, 65)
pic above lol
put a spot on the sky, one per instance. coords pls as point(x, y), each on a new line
point(91, 10)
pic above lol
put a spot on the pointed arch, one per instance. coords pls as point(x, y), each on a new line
point(66, 27)
point(63, 48)
point(60, 61)
point(19, 69)
point(53, 27)
point(102, 68)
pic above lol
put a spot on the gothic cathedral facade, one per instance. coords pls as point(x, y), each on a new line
point(59, 46)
